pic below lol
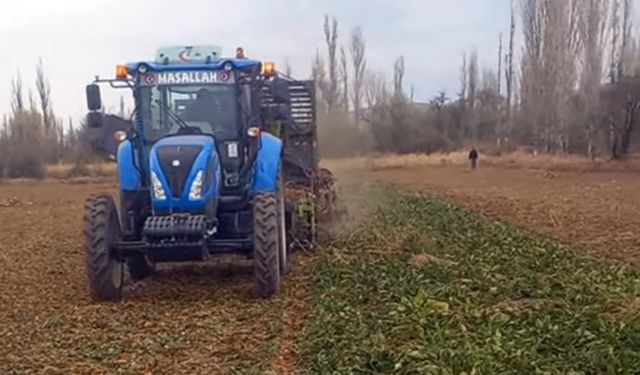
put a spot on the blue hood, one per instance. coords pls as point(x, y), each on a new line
point(176, 161)
point(185, 140)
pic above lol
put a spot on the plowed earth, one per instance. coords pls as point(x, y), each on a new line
point(186, 319)
point(597, 211)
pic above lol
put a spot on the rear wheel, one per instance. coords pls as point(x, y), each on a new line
point(102, 233)
point(266, 243)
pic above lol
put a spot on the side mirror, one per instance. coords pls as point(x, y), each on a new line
point(94, 100)
point(95, 120)
point(280, 91)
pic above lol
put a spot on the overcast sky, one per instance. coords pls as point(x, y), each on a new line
point(78, 39)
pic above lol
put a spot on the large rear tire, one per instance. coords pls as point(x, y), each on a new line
point(102, 232)
point(266, 243)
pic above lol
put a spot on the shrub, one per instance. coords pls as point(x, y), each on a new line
point(25, 164)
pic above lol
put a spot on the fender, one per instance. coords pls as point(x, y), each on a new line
point(265, 178)
point(128, 172)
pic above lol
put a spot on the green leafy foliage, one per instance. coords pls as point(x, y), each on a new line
point(429, 288)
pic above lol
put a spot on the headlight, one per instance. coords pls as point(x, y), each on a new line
point(158, 190)
point(195, 192)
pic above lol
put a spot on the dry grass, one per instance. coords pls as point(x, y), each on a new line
point(513, 160)
point(66, 171)
point(381, 162)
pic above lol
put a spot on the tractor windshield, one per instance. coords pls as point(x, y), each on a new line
point(210, 109)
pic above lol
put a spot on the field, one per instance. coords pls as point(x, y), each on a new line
point(523, 265)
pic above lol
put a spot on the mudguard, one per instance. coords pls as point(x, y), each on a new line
point(265, 177)
point(207, 161)
point(127, 170)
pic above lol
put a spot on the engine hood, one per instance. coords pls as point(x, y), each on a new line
point(185, 140)
point(176, 162)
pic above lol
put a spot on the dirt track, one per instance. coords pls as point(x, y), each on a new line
point(598, 210)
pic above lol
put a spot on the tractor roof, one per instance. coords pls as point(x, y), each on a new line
point(214, 65)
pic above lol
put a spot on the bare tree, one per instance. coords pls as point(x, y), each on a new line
point(593, 33)
point(531, 70)
point(627, 27)
point(501, 122)
point(615, 35)
point(344, 72)
point(509, 76)
point(552, 42)
point(487, 108)
point(462, 96)
point(331, 39)
point(33, 107)
point(464, 75)
point(489, 80)
point(358, 47)
point(499, 76)
point(375, 89)
point(622, 103)
point(4, 144)
point(472, 86)
point(17, 100)
point(26, 158)
point(287, 68)
point(561, 45)
point(319, 75)
point(44, 95)
point(398, 77)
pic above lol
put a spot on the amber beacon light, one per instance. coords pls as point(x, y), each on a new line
point(122, 72)
point(269, 69)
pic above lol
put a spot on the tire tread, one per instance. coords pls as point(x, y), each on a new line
point(266, 251)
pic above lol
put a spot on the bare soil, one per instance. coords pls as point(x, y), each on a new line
point(206, 318)
point(186, 319)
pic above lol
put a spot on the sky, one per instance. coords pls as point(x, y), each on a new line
point(79, 39)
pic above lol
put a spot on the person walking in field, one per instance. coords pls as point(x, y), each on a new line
point(473, 158)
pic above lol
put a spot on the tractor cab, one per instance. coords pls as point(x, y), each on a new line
point(212, 146)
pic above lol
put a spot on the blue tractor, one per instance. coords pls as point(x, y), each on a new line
point(204, 163)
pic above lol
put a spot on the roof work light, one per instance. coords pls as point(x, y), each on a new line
point(122, 72)
point(269, 69)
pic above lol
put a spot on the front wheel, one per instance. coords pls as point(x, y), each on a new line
point(102, 233)
point(266, 244)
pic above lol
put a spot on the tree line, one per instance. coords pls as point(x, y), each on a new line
point(573, 86)
point(31, 135)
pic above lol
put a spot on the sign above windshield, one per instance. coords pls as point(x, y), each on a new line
point(186, 78)
point(187, 54)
